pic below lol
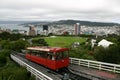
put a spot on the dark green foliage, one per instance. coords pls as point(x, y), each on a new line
point(11, 71)
point(4, 44)
point(50, 34)
point(8, 36)
point(111, 54)
point(14, 45)
point(3, 55)
point(8, 69)
point(18, 45)
point(14, 37)
point(39, 42)
point(81, 52)
point(4, 35)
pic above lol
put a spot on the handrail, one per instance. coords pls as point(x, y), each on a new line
point(34, 71)
point(96, 64)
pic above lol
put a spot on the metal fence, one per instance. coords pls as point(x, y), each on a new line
point(33, 71)
point(97, 65)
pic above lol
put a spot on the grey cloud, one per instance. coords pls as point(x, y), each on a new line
point(103, 10)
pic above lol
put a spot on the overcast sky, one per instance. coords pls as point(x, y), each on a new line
point(50, 10)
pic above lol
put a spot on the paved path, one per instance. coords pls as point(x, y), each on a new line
point(97, 73)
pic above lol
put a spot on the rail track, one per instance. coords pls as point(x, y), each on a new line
point(63, 74)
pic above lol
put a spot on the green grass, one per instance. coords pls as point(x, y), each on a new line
point(63, 41)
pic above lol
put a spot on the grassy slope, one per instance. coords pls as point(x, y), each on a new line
point(63, 41)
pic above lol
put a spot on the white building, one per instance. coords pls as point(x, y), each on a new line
point(104, 43)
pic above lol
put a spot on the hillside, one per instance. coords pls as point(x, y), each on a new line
point(72, 22)
point(60, 22)
point(87, 23)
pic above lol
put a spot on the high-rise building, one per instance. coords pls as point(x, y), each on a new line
point(32, 31)
point(77, 28)
point(45, 29)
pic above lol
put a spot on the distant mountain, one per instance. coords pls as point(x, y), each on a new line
point(67, 22)
point(72, 22)
point(86, 23)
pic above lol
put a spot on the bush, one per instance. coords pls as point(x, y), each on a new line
point(3, 55)
point(39, 42)
point(81, 52)
point(11, 71)
point(110, 54)
point(18, 45)
point(4, 44)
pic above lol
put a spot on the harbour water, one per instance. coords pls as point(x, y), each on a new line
point(16, 27)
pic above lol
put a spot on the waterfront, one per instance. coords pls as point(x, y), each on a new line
point(16, 27)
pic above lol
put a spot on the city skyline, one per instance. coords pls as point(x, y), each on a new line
point(51, 10)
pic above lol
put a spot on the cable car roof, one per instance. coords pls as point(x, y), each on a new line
point(47, 48)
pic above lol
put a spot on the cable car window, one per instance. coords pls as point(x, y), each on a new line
point(61, 55)
point(65, 54)
point(50, 56)
point(43, 54)
point(35, 53)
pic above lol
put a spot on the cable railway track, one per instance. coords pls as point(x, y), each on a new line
point(63, 74)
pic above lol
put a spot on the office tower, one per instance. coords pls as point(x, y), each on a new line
point(32, 31)
point(45, 29)
point(77, 28)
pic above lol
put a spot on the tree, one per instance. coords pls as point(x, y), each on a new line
point(18, 45)
point(110, 54)
point(40, 42)
point(50, 34)
point(14, 37)
point(81, 52)
point(3, 55)
point(5, 35)
point(15, 73)
point(4, 44)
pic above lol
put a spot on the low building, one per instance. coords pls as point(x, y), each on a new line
point(104, 43)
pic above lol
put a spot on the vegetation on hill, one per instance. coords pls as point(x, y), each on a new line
point(72, 22)
point(11, 71)
point(86, 23)
point(110, 54)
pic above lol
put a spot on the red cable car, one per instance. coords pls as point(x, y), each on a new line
point(52, 57)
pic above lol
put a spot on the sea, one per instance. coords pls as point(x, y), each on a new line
point(17, 27)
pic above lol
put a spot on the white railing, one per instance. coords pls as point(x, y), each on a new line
point(97, 65)
point(33, 71)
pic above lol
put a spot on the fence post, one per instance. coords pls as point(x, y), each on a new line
point(114, 69)
point(88, 64)
point(71, 60)
point(79, 62)
point(100, 66)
